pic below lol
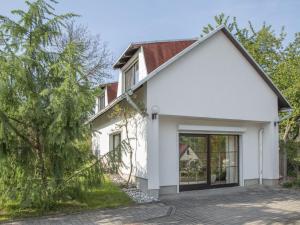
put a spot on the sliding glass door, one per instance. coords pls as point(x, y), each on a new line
point(223, 159)
point(193, 160)
point(207, 161)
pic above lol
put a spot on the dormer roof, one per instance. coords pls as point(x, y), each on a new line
point(156, 53)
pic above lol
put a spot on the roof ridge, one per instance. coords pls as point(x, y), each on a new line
point(167, 40)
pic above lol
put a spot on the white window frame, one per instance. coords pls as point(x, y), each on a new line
point(135, 75)
point(99, 102)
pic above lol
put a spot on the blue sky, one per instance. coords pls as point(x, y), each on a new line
point(120, 22)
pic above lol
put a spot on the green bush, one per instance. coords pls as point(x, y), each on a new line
point(292, 184)
point(288, 184)
point(293, 156)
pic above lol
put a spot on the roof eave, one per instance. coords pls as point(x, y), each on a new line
point(132, 47)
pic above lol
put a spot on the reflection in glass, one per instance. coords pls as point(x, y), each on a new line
point(193, 159)
point(224, 159)
point(208, 159)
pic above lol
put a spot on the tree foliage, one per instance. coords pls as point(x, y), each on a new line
point(47, 73)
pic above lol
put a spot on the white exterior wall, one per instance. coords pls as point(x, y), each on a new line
point(217, 85)
point(102, 142)
point(213, 80)
point(270, 151)
point(105, 126)
point(248, 152)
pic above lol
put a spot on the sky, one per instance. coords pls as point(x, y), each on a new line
point(120, 22)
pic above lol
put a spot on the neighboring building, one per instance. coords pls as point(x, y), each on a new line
point(211, 115)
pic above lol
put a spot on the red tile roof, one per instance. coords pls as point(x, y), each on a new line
point(182, 149)
point(156, 53)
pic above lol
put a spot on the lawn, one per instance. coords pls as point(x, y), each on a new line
point(108, 196)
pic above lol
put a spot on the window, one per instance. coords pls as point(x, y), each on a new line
point(101, 102)
point(131, 75)
point(116, 141)
point(116, 154)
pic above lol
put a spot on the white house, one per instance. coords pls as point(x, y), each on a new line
point(211, 115)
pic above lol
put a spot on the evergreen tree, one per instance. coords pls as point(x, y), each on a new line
point(47, 93)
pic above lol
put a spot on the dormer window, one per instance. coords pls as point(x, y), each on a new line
point(131, 75)
point(101, 102)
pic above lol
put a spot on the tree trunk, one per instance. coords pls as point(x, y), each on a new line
point(130, 152)
point(298, 166)
point(40, 152)
point(131, 168)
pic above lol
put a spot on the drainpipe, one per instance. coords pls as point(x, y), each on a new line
point(260, 141)
point(128, 95)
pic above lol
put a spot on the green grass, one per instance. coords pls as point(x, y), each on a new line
point(108, 196)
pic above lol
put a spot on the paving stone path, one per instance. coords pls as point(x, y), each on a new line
point(233, 206)
point(238, 205)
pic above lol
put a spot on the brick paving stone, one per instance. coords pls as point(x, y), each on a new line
point(239, 205)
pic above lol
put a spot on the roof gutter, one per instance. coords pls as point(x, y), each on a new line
point(127, 95)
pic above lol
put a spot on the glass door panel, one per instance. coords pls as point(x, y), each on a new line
point(223, 159)
point(192, 159)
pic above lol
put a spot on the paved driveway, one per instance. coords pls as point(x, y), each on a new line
point(238, 205)
point(255, 205)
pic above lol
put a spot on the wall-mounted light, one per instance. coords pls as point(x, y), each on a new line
point(154, 112)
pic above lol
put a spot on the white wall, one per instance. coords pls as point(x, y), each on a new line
point(270, 151)
point(249, 148)
point(104, 126)
point(213, 81)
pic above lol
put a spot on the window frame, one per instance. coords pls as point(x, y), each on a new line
point(99, 105)
point(116, 149)
point(135, 76)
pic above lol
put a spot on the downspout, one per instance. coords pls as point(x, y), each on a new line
point(132, 103)
point(260, 141)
